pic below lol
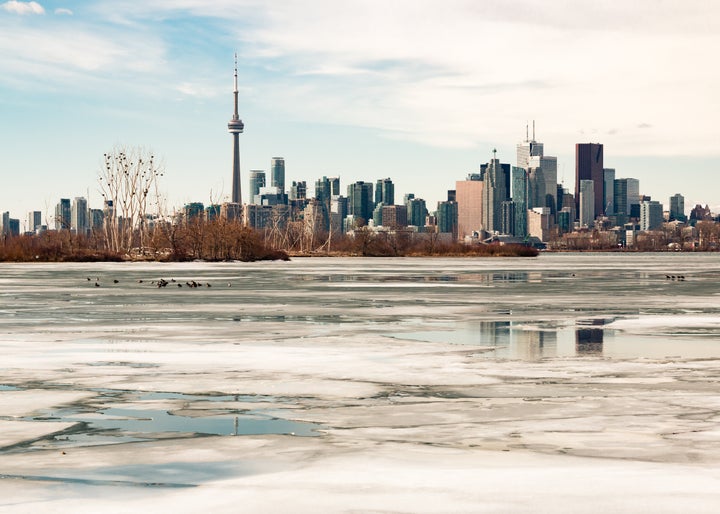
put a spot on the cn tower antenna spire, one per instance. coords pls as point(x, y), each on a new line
point(235, 92)
point(235, 127)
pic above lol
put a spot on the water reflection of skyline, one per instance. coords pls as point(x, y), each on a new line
point(521, 340)
point(589, 340)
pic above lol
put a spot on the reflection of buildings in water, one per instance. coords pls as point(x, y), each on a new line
point(517, 343)
point(494, 333)
point(589, 340)
point(509, 276)
point(505, 276)
point(534, 344)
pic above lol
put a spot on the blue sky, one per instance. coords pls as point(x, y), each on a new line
point(417, 90)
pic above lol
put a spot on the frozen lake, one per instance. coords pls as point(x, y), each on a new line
point(564, 383)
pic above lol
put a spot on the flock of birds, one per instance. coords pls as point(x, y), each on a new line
point(675, 277)
point(162, 283)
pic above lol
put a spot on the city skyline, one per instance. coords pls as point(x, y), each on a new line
point(82, 77)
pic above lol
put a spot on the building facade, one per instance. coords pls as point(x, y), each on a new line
point(447, 218)
point(677, 208)
point(257, 181)
point(469, 197)
point(360, 200)
point(495, 191)
point(277, 173)
point(34, 221)
point(651, 215)
point(589, 166)
point(79, 216)
point(519, 194)
point(587, 203)
point(62, 214)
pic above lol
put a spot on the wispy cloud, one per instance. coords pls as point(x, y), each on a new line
point(454, 75)
point(16, 7)
point(199, 90)
point(62, 11)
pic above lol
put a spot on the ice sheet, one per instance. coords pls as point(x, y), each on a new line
point(568, 383)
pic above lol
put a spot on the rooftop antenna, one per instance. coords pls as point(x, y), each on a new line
point(533, 130)
point(527, 134)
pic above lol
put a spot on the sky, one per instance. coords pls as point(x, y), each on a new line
point(420, 91)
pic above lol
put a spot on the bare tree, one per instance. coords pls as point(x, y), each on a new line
point(129, 180)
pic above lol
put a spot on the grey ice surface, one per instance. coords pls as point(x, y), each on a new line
point(565, 383)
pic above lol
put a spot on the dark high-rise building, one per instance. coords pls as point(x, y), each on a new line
point(334, 186)
point(97, 218)
point(447, 218)
point(507, 226)
point(360, 200)
point(323, 191)
point(277, 173)
point(63, 214)
point(519, 198)
point(496, 190)
point(589, 166)
point(677, 207)
point(620, 200)
point(609, 191)
point(416, 211)
point(235, 127)
point(385, 192)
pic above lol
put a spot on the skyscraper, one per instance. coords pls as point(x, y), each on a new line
point(257, 180)
point(322, 190)
point(34, 220)
point(527, 149)
point(79, 215)
point(620, 200)
point(447, 217)
point(651, 215)
point(633, 197)
point(62, 214)
point(542, 173)
point(469, 197)
point(508, 222)
point(235, 127)
point(519, 197)
point(277, 173)
point(496, 190)
point(385, 192)
point(334, 186)
point(677, 207)
point(417, 212)
point(587, 203)
point(609, 191)
point(589, 166)
point(360, 200)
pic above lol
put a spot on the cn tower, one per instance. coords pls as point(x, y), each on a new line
point(235, 127)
